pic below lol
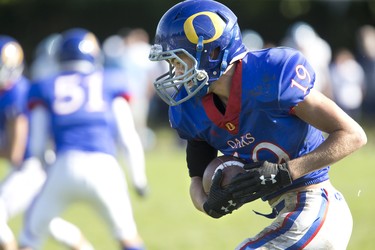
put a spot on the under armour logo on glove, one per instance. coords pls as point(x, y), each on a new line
point(220, 200)
point(266, 179)
point(230, 204)
point(260, 179)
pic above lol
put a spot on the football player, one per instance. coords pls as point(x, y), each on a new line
point(27, 174)
point(260, 106)
point(128, 52)
point(82, 108)
point(18, 188)
point(113, 56)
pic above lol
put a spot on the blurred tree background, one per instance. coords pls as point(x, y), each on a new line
point(29, 21)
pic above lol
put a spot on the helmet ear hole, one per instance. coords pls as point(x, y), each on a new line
point(215, 53)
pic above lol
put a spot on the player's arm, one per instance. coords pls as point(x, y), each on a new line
point(131, 144)
point(16, 129)
point(344, 137)
point(198, 196)
point(344, 134)
point(198, 155)
point(39, 120)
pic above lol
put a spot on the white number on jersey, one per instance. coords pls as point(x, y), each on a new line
point(302, 74)
point(70, 94)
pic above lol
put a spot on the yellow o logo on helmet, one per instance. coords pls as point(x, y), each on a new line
point(217, 22)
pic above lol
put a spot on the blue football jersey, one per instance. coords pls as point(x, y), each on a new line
point(258, 123)
point(12, 104)
point(80, 109)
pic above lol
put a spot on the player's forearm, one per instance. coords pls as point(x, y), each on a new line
point(197, 194)
point(345, 135)
point(18, 135)
point(338, 145)
point(39, 120)
point(130, 141)
point(136, 161)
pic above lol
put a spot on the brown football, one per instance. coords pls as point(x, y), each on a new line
point(231, 167)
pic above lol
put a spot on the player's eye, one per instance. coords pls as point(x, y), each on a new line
point(173, 61)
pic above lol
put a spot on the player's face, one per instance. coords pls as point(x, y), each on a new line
point(180, 69)
point(183, 79)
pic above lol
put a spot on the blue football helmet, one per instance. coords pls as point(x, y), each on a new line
point(45, 63)
point(208, 33)
point(11, 61)
point(48, 46)
point(79, 50)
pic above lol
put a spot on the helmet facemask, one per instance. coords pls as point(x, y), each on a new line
point(175, 89)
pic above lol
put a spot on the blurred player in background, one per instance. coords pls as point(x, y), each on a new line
point(27, 174)
point(259, 106)
point(139, 72)
point(83, 109)
point(348, 79)
point(303, 37)
point(366, 58)
point(128, 51)
point(113, 51)
point(25, 177)
point(252, 39)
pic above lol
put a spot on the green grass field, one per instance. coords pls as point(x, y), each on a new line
point(167, 219)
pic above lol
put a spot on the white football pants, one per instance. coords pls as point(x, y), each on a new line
point(93, 177)
point(312, 219)
point(17, 190)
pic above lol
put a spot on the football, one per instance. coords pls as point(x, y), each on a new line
point(230, 165)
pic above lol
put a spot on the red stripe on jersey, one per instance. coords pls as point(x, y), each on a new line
point(230, 120)
point(32, 104)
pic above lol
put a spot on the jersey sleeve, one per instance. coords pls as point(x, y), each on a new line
point(296, 80)
point(198, 155)
point(116, 82)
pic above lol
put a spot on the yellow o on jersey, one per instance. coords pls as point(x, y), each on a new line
point(217, 23)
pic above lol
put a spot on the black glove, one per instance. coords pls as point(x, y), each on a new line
point(261, 178)
point(220, 200)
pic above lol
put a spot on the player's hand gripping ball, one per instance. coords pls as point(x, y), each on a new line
point(231, 166)
point(261, 178)
point(217, 176)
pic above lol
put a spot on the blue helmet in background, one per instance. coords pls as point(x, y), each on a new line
point(79, 50)
point(45, 61)
point(206, 31)
point(11, 60)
